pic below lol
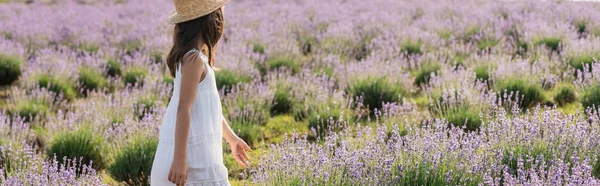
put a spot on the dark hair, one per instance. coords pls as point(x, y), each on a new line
point(209, 28)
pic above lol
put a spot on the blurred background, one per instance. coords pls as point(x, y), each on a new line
point(337, 92)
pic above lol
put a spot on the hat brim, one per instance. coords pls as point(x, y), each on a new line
point(175, 17)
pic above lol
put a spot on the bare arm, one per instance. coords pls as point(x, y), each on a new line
point(191, 73)
point(228, 133)
point(237, 145)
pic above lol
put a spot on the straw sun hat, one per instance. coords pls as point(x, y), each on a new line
point(186, 10)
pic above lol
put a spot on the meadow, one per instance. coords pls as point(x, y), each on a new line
point(336, 92)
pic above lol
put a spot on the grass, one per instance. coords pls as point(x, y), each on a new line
point(375, 92)
point(482, 73)
point(227, 79)
point(469, 119)
point(591, 98)
point(144, 106)
point(90, 79)
point(428, 174)
point(79, 144)
point(552, 43)
point(565, 94)
point(423, 75)
point(528, 94)
point(57, 85)
point(281, 62)
point(134, 163)
point(10, 69)
point(135, 76)
point(30, 110)
point(583, 61)
point(283, 102)
point(487, 43)
point(113, 68)
point(411, 48)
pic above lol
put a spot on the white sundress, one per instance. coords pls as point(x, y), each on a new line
point(205, 138)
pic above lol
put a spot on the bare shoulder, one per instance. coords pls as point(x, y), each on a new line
point(192, 62)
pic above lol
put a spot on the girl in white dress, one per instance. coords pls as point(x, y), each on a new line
point(191, 136)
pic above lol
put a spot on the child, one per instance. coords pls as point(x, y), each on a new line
point(190, 143)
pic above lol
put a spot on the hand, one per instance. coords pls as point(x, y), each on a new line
point(238, 150)
point(178, 172)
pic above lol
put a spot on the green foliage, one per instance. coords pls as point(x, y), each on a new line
point(227, 79)
point(445, 34)
point(427, 174)
point(566, 94)
point(113, 68)
point(482, 73)
point(91, 79)
point(470, 32)
point(512, 155)
point(411, 48)
point(89, 47)
point(283, 62)
point(12, 158)
point(28, 110)
point(6, 35)
point(592, 97)
point(307, 43)
point(278, 126)
point(57, 85)
point(324, 119)
point(167, 79)
point(135, 75)
point(487, 43)
point(596, 168)
point(581, 26)
point(144, 106)
point(134, 163)
point(79, 144)
point(247, 117)
point(360, 50)
point(283, 103)
point(328, 71)
point(251, 134)
point(458, 59)
point(10, 69)
point(462, 117)
point(157, 57)
point(424, 73)
point(258, 48)
point(375, 92)
point(552, 43)
point(579, 62)
point(130, 45)
point(522, 47)
point(529, 94)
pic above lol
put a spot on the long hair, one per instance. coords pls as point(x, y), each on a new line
point(209, 28)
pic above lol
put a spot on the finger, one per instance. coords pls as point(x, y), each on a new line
point(247, 148)
point(245, 155)
point(237, 158)
point(169, 177)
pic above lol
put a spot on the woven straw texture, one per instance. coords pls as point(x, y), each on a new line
point(186, 10)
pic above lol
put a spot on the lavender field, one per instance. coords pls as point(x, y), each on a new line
point(336, 92)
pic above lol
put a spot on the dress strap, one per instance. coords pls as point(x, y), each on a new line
point(193, 50)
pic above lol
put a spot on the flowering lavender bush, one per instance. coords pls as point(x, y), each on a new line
point(336, 92)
